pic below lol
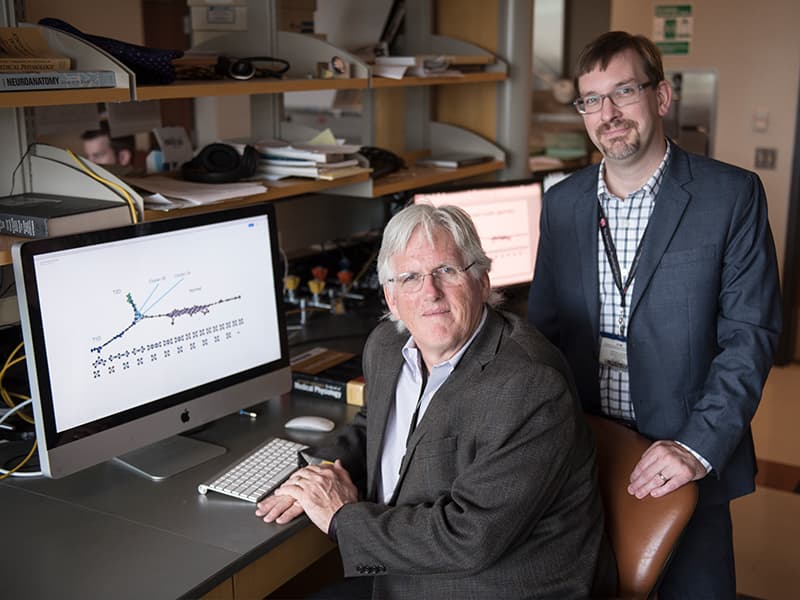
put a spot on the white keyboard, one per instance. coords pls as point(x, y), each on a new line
point(257, 474)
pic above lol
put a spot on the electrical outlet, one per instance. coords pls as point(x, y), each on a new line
point(766, 158)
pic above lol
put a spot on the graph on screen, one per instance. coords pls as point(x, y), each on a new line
point(144, 321)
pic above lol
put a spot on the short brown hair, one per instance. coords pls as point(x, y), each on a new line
point(600, 52)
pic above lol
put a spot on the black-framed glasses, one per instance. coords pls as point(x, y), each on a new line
point(445, 275)
point(621, 96)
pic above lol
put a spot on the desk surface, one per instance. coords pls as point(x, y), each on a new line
point(107, 532)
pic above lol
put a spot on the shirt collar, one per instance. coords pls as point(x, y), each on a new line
point(412, 357)
point(650, 187)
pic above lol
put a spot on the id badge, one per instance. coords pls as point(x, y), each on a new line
point(613, 351)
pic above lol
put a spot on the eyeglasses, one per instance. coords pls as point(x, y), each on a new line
point(621, 96)
point(445, 275)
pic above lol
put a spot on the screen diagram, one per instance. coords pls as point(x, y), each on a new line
point(152, 316)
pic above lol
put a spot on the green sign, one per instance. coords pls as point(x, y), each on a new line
point(674, 11)
point(673, 47)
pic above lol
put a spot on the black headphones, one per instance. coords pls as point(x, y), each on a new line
point(252, 66)
point(220, 163)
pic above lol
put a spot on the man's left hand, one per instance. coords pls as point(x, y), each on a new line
point(320, 490)
point(664, 467)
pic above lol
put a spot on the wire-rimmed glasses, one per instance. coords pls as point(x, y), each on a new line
point(621, 96)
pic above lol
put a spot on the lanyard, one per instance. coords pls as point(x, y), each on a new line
point(613, 262)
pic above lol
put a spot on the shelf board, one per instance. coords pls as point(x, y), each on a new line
point(227, 87)
point(58, 97)
point(275, 190)
point(418, 177)
point(482, 77)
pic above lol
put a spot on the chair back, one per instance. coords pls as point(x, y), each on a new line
point(642, 532)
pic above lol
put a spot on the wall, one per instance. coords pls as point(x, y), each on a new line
point(755, 49)
point(118, 19)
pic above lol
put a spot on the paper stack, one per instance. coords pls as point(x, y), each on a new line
point(327, 161)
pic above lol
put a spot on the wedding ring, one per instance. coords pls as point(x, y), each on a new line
point(661, 476)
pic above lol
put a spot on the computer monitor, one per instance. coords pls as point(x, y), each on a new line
point(142, 332)
point(506, 216)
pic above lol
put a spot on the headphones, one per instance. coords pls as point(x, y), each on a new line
point(220, 163)
point(252, 66)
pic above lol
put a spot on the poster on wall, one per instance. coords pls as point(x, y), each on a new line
point(672, 28)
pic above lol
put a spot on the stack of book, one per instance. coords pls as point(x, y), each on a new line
point(28, 63)
point(331, 374)
point(318, 161)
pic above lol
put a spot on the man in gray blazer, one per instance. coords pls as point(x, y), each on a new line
point(477, 469)
point(656, 276)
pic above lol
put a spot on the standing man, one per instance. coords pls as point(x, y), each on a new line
point(479, 467)
point(657, 278)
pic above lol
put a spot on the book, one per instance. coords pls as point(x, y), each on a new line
point(299, 162)
point(321, 153)
point(314, 172)
point(327, 373)
point(25, 49)
point(34, 215)
point(453, 160)
point(56, 80)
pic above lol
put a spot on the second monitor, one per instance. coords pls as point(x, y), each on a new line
point(506, 216)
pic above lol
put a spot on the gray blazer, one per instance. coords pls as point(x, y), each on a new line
point(497, 495)
point(704, 313)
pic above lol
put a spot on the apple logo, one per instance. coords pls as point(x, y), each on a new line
point(185, 416)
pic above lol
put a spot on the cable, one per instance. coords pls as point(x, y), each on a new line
point(107, 183)
point(13, 471)
point(4, 393)
point(17, 166)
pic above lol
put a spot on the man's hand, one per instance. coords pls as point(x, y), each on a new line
point(664, 467)
point(317, 490)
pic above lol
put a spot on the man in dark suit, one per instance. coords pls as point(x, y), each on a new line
point(478, 469)
point(657, 278)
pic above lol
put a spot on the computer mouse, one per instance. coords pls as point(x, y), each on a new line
point(310, 423)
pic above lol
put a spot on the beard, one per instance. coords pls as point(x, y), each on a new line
point(620, 147)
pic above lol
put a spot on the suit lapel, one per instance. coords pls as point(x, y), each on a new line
point(455, 388)
point(585, 219)
point(380, 397)
point(669, 207)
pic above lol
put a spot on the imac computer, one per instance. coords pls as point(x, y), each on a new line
point(136, 334)
point(506, 216)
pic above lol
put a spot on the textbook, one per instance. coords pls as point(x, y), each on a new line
point(25, 49)
point(329, 374)
point(34, 215)
point(56, 80)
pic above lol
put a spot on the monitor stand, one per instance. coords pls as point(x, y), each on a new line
point(170, 456)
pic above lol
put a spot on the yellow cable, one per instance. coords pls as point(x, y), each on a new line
point(119, 188)
point(4, 393)
point(21, 464)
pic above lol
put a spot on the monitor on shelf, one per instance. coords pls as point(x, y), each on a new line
point(136, 334)
point(506, 215)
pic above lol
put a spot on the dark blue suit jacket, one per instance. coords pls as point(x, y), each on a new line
point(704, 312)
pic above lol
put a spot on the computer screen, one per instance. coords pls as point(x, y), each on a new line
point(506, 216)
point(142, 332)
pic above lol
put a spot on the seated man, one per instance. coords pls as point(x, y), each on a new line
point(477, 469)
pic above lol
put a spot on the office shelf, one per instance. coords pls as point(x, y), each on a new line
point(60, 97)
point(481, 77)
point(276, 190)
point(197, 89)
point(415, 177)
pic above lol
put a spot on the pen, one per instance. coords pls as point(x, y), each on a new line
point(248, 413)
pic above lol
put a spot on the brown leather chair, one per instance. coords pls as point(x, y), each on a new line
point(642, 532)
